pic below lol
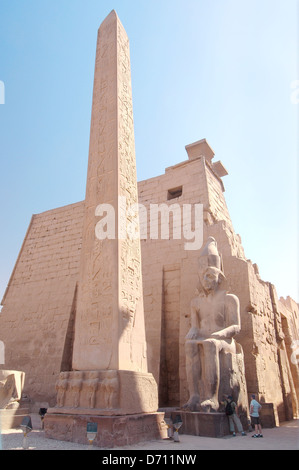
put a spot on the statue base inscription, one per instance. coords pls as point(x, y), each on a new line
point(123, 403)
point(112, 431)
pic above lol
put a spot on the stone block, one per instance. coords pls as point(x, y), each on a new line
point(113, 392)
point(269, 416)
point(12, 418)
point(203, 424)
point(113, 431)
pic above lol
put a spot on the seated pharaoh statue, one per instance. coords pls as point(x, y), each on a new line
point(210, 346)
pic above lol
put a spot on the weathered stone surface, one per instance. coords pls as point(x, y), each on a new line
point(111, 392)
point(12, 411)
point(11, 387)
point(269, 416)
point(204, 424)
point(113, 431)
point(12, 418)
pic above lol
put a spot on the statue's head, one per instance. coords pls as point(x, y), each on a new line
point(210, 266)
point(211, 279)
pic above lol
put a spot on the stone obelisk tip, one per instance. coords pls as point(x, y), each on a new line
point(111, 17)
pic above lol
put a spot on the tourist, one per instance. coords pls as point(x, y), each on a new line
point(255, 416)
point(233, 418)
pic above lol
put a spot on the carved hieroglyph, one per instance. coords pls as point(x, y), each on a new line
point(105, 392)
point(109, 332)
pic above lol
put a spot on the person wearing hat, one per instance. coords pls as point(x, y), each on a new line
point(233, 417)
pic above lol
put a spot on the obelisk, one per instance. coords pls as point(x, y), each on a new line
point(109, 330)
point(109, 374)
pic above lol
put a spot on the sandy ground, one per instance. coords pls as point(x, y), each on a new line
point(286, 437)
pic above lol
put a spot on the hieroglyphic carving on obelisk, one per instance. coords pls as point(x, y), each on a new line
point(109, 326)
point(109, 375)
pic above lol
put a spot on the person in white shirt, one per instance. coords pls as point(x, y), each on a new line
point(255, 416)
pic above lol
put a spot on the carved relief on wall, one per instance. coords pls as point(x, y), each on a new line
point(88, 389)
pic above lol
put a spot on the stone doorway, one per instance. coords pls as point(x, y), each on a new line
point(169, 383)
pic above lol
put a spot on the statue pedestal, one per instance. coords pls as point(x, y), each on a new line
point(122, 403)
point(203, 424)
point(12, 418)
point(105, 393)
point(113, 431)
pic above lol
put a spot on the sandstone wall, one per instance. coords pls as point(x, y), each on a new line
point(36, 320)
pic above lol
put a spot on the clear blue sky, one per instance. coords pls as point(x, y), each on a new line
point(218, 69)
